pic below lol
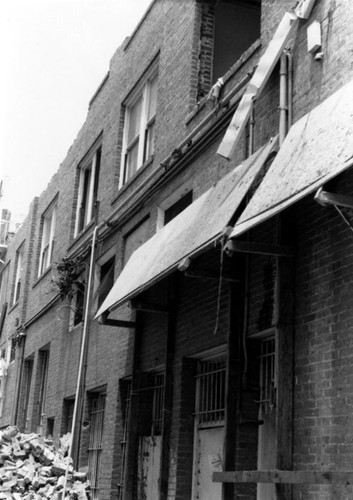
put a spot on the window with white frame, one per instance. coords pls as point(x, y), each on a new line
point(87, 190)
point(139, 128)
point(47, 243)
point(18, 276)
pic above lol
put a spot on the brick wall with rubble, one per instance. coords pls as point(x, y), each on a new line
point(160, 35)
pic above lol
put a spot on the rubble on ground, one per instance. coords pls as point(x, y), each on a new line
point(31, 468)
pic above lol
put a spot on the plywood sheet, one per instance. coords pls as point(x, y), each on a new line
point(193, 230)
point(317, 148)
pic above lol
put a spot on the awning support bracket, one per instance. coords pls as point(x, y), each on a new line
point(104, 320)
point(233, 246)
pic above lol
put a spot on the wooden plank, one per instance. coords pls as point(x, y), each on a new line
point(284, 321)
point(257, 83)
point(258, 248)
point(284, 477)
point(233, 382)
point(304, 8)
point(131, 440)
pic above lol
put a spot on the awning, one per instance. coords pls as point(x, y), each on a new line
point(317, 148)
point(195, 229)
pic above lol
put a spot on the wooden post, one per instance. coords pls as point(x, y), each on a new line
point(233, 383)
point(168, 388)
point(131, 440)
point(284, 320)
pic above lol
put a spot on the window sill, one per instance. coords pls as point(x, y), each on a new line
point(132, 179)
point(80, 236)
point(13, 307)
point(43, 275)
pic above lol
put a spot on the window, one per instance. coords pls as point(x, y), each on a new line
point(27, 380)
point(173, 205)
point(228, 29)
point(87, 190)
point(139, 129)
point(209, 426)
point(177, 207)
point(43, 362)
point(47, 243)
point(18, 276)
point(78, 302)
point(97, 407)
point(106, 280)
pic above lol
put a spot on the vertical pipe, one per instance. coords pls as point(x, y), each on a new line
point(290, 87)
point(82, 353)
point(251, 130)
point(283, 99)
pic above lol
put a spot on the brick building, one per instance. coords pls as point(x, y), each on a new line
point(190, 261)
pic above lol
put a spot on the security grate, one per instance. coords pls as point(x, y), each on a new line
point(210, 392)
point(95, 442)
point(267, 376)
point(157, 409)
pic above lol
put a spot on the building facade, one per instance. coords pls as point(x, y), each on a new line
point(181, 290)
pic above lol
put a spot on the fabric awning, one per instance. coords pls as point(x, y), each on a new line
point(317, 148)
point(191, 232)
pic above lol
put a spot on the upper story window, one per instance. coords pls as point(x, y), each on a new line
point(139, 128)
point(87, 190)
point(228, 29)
point(173, 205)
point(47, 242)
point(18, 276)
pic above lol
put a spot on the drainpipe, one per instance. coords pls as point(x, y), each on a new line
point(290, 87)
point(251, 131)
point(83, 354)
point(283, 109)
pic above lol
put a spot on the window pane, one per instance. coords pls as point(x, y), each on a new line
point(131, 161)
point(149, 146)
point(134, 120)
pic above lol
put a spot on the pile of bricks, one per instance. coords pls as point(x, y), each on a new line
point(32, 469)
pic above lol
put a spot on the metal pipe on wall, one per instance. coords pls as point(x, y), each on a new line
point(283, 108)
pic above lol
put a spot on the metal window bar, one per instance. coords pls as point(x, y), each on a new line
point(157, 409)
point(95, 442)
point(267, 376)
point(210, 401)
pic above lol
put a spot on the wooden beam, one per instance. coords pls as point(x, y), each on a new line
point(148, 307)
point(258, 248)
point(304, 8)
point(257, 83)
point(132, 422)
point(283, 317)
point(168, 387)
point(284, 477)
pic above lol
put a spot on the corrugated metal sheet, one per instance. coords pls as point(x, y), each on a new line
point(317, 148)
point(193, 230)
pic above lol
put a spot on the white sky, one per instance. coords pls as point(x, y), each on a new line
point(54, 54)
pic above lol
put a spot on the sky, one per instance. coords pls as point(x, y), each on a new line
point(54, 54)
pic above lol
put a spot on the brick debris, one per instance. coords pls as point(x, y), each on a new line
point(32, 468)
